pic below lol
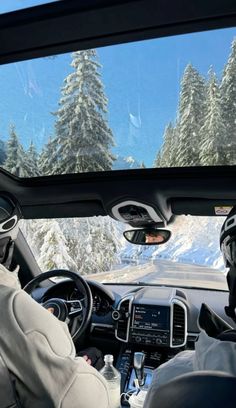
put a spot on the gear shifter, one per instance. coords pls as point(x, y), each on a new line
point(139, 359)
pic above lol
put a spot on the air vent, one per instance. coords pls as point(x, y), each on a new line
point(122, 328)
point(180, 293)
point(179, 324)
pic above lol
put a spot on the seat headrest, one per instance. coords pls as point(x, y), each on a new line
point(208, 389)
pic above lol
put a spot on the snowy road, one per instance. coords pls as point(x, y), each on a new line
point(166, 272)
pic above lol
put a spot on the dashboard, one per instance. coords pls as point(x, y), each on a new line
point(143, 315)
point(159, 321)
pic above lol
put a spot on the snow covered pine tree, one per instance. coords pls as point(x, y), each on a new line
point(83, 138)
point(82, 143)
point(166, 156)
point(47, 158)
point(181, 143)
point(54, 250)
point(213, 149)
point(190, 117)
point(228, 92)
point(16, 160)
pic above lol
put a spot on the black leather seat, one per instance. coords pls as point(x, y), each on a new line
point(205, 389)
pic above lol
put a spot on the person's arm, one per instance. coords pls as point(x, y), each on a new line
point(87, 389)
point(182, 363)
point(40, 353)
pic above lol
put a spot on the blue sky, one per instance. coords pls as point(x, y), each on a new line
point(11, 5)
point(141, 82)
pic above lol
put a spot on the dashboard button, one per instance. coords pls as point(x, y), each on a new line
point(116, 315)
point(138, 339)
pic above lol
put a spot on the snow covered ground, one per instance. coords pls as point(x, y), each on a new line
point(194, 240)
point(96, 247)
point(191, 258)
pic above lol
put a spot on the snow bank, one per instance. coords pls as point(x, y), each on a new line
point(194, 240)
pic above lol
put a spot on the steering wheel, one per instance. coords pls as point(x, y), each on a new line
point(76, 313)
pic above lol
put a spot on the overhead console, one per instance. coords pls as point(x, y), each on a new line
point(137, 214)
point(152, 316)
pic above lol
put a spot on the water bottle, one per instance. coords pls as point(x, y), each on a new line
point(112, 375)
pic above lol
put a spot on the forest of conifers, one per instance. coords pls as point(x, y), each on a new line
point(203, 133)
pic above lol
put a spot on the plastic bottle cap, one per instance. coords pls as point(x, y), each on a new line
point(108, 358)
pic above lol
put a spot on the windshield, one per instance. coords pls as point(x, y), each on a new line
point(156, 103)
point(95, 248)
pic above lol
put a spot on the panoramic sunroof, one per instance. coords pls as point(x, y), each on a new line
point(13, 5)
point(168, 102)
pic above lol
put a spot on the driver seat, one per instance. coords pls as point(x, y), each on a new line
point(8, 395)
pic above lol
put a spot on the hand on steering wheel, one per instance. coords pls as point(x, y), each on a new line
point(77, 312)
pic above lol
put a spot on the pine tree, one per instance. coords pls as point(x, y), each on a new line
point(228, 92)
point(32, 152)
point(157, 161)
point(32, 161)
point(104, 240)
point(213, 150)
point(165, 156)
point(15, 157)
point(34, 231)
point(2, 152)
point(83, 138)
point(54, 252)
point(86, 245)
point(19, 162)
point(190, 117)
point(93, 242)
point(48, 158)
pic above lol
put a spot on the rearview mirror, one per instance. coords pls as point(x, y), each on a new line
point(147, 236)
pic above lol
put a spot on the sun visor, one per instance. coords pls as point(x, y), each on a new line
point(64, 210)
point(201, 206)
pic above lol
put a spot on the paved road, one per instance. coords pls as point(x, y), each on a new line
point(166, 272)
point(185, 274)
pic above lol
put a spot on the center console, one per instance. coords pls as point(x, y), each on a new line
point(154, 357)
point(150, 325)
point(152, 321)
point(155, 317)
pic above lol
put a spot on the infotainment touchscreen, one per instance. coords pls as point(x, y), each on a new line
point(151, 317)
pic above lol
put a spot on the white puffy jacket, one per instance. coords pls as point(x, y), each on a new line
point(210, 354)
point(38, 350)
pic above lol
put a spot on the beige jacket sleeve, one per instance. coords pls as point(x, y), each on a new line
point(40, 353)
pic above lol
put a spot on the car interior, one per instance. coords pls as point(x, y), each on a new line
point(144, 308)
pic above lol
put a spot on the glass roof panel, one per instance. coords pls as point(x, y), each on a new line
point(168, 102)
point(13, 5)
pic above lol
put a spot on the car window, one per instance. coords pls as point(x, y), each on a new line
point(167, 102)
point(95, 247)
point(13, 5)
